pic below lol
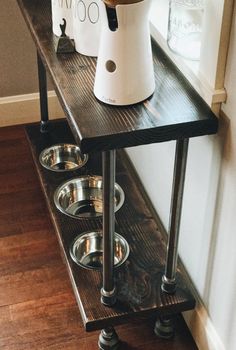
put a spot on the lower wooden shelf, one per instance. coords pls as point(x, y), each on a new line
point(138, 280)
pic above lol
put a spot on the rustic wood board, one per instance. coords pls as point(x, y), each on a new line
point(138, 280)
point(174, 111)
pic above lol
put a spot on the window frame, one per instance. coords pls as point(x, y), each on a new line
point(206, 75)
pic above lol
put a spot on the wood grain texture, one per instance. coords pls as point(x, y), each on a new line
point(38, 310)
point(139, 279)
point(174, 111)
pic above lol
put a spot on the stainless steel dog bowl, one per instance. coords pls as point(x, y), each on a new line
point(62, 157)
point(87, 250)
point(81, 197)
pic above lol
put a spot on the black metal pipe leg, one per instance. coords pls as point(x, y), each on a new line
point(169, 278)
point(108, 292)
point(164, 328)
point(42, 77)
point(108, 339)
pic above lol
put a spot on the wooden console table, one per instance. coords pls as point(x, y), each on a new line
point(150, 281)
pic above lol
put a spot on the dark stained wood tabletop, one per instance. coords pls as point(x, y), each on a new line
point(174, 111)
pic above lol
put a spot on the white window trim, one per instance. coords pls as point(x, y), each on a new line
point(206, 75)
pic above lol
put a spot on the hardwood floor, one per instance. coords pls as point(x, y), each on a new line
point(37, 307)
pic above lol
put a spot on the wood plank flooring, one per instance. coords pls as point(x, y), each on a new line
point(37, 307)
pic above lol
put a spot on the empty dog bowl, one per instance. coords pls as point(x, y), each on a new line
point(87, 250)
point(82, 197)
point(62, 157)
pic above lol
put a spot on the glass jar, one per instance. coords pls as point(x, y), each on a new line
point(185, 27)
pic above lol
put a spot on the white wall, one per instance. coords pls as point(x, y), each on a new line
point(222, 294)
point(208, 227)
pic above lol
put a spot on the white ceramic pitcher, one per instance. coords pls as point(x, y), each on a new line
point(87, 26)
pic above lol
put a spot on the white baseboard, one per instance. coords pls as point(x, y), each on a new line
point(202, 328)
point(24, 109)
